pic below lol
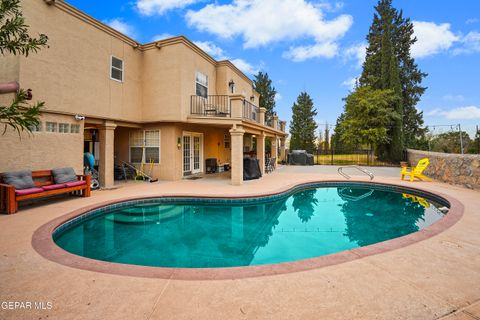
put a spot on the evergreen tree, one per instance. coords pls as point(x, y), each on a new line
point(303, 125)
point(389, 65)
point(367, 114)
point(327, 136)
point(263, 85)
point(14, 39)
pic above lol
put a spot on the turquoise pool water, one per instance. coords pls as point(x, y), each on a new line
point(200, 233)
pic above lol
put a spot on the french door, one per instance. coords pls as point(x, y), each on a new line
point(192, 153)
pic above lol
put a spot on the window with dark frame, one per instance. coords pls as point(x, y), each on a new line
point(116, 69)
point(201, 83)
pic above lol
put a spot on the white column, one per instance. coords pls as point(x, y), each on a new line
point(107, 134)
point(236, 134)
point(261, 152)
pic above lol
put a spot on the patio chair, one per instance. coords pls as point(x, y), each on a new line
point(270, 164)
point(417, 171)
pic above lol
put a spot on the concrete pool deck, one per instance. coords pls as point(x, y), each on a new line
point(435, 278)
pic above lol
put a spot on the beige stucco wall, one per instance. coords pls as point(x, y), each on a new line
point(225, 73)
point(73, 74)
point(9, 68)
point(43, 150)
point(169, 81)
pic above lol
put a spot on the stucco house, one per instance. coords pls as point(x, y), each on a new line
point(167, 102)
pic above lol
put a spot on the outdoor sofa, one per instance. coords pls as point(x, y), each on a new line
point(22, 185)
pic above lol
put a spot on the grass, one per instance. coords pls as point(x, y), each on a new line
point(348, 159)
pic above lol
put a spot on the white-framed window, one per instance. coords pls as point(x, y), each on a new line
point(51, 126)
point(144, 145)
point(201, 84)
point(226, 141)
point(116, 69)
point(37, 128)
point(63, 127)
point(75, 128)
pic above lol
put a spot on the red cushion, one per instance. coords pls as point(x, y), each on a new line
point(23, 192)
point(54, 186)
point(76, 183)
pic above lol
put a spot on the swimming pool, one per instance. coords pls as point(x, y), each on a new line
point(306, 222)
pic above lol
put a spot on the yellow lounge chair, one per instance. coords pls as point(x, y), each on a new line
point(416, 172)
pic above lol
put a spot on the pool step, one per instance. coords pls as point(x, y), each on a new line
point(145, 214)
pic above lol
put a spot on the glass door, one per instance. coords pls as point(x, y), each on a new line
point(196, 154)
point(187, 152)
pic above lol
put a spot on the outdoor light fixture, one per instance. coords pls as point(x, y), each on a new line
point(231, 86)
point(79, 117)
point(252, 98)
point(179, 143)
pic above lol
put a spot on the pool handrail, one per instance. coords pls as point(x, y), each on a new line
point(346, 176)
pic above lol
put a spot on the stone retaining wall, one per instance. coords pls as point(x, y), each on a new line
point(450, 167)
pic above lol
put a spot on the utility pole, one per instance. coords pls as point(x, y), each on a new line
point(461, 138)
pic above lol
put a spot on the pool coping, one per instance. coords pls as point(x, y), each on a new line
point(42, 241)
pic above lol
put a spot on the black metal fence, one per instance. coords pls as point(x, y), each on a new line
point(363, 157)
point(214, 106)
point(250, 111)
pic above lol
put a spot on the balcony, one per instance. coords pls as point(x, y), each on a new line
point(213, 106)
point(230, 107)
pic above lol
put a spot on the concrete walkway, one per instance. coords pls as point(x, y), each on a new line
point(435, 278)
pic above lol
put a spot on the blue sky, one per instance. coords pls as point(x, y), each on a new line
point(317, 46)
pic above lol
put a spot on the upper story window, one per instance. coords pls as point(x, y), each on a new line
point(201, 82)
point(116, 69)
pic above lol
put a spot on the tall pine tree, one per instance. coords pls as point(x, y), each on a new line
point(263, 85)
point(303, 125)
point(389, 65)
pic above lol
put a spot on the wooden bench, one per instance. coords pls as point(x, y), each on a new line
point(9, 198)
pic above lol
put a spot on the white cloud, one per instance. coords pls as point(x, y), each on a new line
point(357, 53)
point(244, 66)
point(212, 49)
point(162, 36)
point(152, 7)
point(220, 54)
point(350, 83)
point(121, 26)
point(471, 21)
point(432, 38)
point(460, 113)
point(263, 22)
point(302, 53)
point(456, 98)
point(278, 97)
point(327, 6)
point(469, 43)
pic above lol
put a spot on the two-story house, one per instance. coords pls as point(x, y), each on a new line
point(167, 104)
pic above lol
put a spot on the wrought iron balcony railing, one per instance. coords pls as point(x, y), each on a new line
point(216, 106)
point(250, 111)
